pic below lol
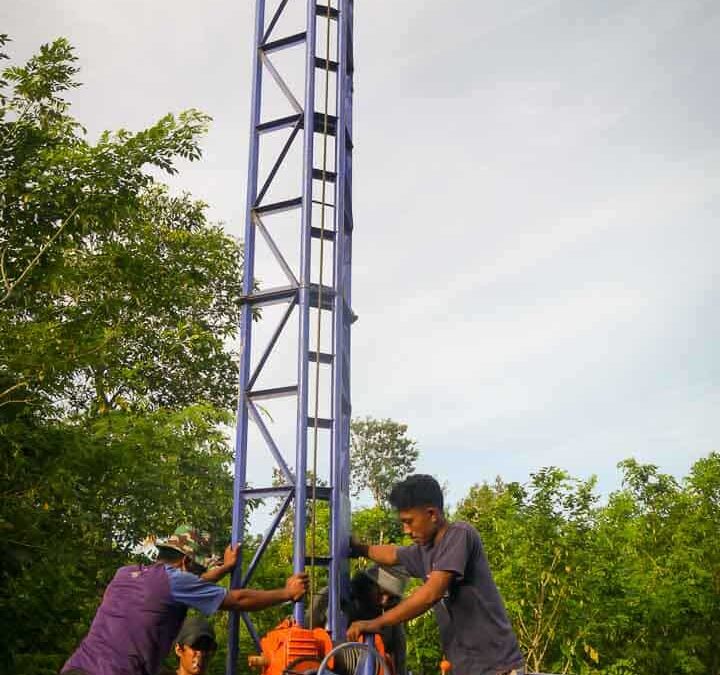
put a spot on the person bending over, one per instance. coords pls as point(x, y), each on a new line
point(144, 607)
point(474, 628)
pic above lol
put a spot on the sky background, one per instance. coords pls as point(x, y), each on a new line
point(537, 189)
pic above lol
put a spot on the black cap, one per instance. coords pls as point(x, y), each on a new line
point(193, 630)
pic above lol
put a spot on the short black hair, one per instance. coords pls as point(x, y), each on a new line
point(416, 490)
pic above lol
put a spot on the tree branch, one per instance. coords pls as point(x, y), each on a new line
point(3, 394)
point(3, 274)
point(11, 286)
point(25, 545)
point(14, 400)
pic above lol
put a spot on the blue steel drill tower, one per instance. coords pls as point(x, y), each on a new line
point(313, 132)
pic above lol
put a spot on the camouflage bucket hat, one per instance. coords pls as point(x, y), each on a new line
point(190, 542)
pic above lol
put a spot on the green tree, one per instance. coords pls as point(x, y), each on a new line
point(377, 524)
point(620, 589)
point(115, 293)
point(536, 538)
point(656, 544)
point(116, 302)
point(381, 454)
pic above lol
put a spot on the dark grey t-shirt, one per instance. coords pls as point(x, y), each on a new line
point(474, 627)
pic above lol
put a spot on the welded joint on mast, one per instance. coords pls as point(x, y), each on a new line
point(284, 43)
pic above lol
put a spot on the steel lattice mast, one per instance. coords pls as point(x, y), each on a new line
point(330, 224)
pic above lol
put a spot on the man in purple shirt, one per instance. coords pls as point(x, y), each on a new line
point(474, 628)
point(144, 607)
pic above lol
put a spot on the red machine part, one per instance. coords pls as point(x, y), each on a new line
point(288, 648)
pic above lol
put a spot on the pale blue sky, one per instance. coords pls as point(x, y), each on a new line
point(537, 188)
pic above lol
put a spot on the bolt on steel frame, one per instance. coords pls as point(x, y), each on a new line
point(301, 294)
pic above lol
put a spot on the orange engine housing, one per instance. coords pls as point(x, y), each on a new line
point(288, 647)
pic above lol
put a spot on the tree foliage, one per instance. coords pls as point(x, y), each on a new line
point(627, 587)
point(114, 292)
point(116, 302)
point(381, 454)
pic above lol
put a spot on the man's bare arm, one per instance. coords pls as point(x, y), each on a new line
point(383, 554)
point(214, 574)
point(420, 601)
point(250, 599)
point(230, 558)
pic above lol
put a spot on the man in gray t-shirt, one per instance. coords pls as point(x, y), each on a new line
point(476, 634)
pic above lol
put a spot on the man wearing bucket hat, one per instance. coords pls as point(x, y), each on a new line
point(194, 544)
point(144, 606)
point(372, 591)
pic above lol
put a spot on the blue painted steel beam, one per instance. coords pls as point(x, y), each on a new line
point(279, 123)
point(246, 318)
point(266, 539)
point(341, 410)
point(284, 43)
point(304, 303)
point(270, 345)
point(274, 20)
